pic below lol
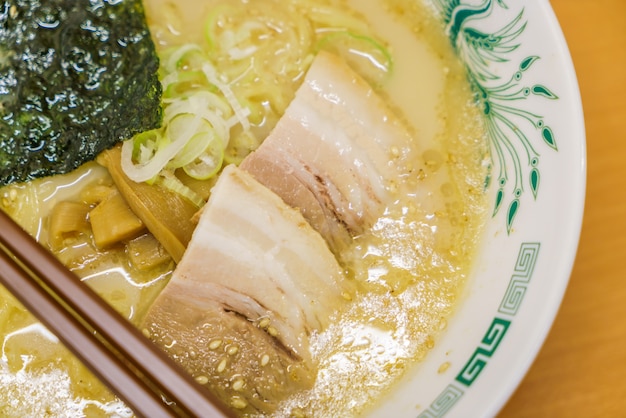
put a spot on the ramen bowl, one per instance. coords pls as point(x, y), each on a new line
point(530, 173)
point(518, 61)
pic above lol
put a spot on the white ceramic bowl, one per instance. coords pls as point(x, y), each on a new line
point(523, 70)
point(518, 61)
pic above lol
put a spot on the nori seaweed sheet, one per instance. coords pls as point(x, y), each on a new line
point(76, 77)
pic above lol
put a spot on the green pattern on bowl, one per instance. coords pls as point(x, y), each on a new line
point(517, 136)
point(521, 74)
point(511, 302)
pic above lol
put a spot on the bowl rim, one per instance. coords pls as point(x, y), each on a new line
point(576, 220)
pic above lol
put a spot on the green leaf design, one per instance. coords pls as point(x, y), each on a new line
point(534, 181)
point(540, 90)
point(527, 62)
point(516, 134)
point(499, 199)
point(510, 215)
point(548, 137)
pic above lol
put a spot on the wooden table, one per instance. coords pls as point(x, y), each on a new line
point(581, 369)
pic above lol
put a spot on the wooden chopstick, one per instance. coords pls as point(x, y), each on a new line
point(140, 373)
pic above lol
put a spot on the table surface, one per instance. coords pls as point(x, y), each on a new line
point(581, 369)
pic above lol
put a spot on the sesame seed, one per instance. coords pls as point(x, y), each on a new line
point(215, 344)
point(232, 350)
point(264, 323)
point(146, 332)
point(222, 366)
point(238, 385)
point(265, 360)
point(272, 331)
point(445, 366)
point(203, 380)
point(238, 402)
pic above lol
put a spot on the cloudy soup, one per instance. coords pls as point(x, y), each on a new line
point(407, 269)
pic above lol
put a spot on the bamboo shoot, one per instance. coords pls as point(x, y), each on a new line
point(167, 215)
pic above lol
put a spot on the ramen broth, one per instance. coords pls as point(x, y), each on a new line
point(412, 264)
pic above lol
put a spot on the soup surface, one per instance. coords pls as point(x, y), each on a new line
point(413, 263)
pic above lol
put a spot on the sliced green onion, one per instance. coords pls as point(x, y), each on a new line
point(171, 182)
point(330, 18)
point(147, 170)
point(200, 109)
point(208, 163)
point(145, 145)
point(240, 113)
point(365, 55)
point(213, 22)
point(239, 149)
point(183, 58)
point(195, 144)
point(195, 147)
point(184, 83)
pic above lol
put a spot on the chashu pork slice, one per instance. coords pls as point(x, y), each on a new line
point(254, 283)
point(336, 152)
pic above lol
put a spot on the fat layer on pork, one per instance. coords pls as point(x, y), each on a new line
point(255, 276)
point(336, 152)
